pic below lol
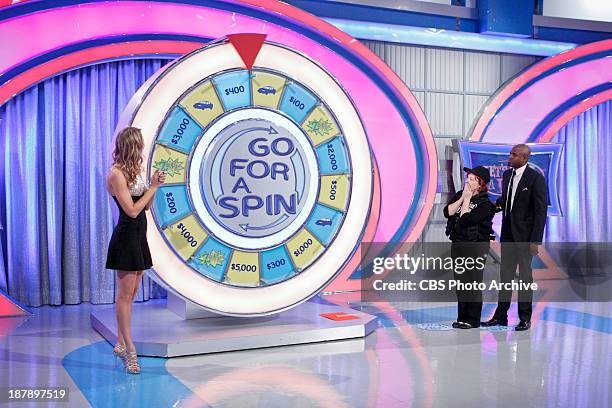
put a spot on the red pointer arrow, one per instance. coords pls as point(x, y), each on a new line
point(247, 46)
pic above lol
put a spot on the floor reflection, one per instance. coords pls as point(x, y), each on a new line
point(564, 360)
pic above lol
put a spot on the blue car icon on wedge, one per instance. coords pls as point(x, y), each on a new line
point(323, 222)
point(267, 90)
point(203, 105)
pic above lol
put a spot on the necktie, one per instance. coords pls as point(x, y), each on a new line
point(509, 199)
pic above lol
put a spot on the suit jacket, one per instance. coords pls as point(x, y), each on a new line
point(528, 215)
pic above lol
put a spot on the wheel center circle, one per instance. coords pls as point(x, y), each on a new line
point(258, 178)
point(254, 178)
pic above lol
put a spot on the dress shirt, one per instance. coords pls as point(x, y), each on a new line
point(518, 173)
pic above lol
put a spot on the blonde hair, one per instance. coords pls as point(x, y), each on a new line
point(127, 155)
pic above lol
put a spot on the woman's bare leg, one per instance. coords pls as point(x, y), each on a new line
point(127, 281)
point(120, 339)
point(138, 280)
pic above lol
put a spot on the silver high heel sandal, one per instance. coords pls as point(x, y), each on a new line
point(119, 350)
point(119, 353)
point(130, 360)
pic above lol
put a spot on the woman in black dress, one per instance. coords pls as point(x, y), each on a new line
point(469, 227)
point(128, 250)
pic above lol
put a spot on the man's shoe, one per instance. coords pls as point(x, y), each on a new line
point(494, 321)
point(455, 325)
point(523, 325)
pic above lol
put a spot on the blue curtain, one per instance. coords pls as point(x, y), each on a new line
point(57, 218)
point(585, 190)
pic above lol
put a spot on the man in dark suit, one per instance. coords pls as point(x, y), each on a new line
point(524, 205)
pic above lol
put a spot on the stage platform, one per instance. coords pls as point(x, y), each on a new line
point(158, 332)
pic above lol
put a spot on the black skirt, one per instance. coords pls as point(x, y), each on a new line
point(128, 249)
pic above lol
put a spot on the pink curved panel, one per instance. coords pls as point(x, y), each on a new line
point(521, 116)
point(571, 113)
point(528, 109)
point(83, 22)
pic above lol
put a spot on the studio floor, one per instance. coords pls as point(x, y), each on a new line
point(565, 360)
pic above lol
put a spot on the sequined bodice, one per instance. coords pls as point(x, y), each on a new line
point(139, 187)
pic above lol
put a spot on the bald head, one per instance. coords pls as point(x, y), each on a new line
point(519, 156)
